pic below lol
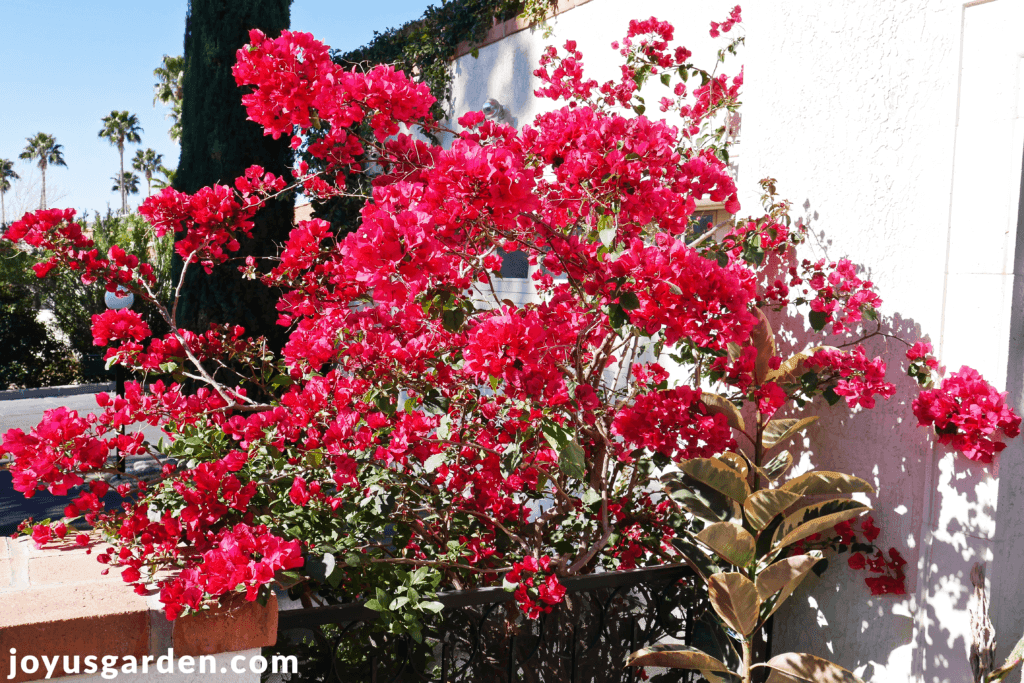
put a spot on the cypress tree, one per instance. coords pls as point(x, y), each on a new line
point(217, 144)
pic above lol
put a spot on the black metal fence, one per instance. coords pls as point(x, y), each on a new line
point(481, 637)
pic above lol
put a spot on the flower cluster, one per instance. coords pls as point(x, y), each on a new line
point(922, 363)
point(891, 579)
point(55, 234)
point(537, 586)
point(967, 414)
point(674, 423)
point(836, 294)
point(859, 379)
point(726, 26)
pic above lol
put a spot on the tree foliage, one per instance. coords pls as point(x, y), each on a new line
point(147, 162)
point(7, 174)
point(118, 128)
point(217, 145)
point(33, 356)
point(168, 89)
point(44, 150)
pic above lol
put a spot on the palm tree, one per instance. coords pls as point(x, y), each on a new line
point(170, 76)
point(127, 183)
point(45, 149)
point(7, 174)
point(168, 177)
point(118, 128)
point(147, 162)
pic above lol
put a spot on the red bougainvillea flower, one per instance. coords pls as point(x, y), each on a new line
point(860, 380)
point(122, 324)
point(968, 414)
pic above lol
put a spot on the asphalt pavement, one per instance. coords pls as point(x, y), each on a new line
point(25, 414)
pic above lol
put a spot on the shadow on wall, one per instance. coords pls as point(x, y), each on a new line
point(935, 507)
point(499, 72)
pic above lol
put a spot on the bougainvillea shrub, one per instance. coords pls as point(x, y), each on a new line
point(420, 432)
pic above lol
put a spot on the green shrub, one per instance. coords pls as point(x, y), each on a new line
point(33, 357)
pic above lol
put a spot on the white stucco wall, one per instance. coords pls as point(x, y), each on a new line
point(896, 129)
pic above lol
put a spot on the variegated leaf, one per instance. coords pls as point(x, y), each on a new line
point(731, 541)
point(805, 667)
point(720, 405)
point(718, 476)
point(822, 483)
point(783, 578)
point(816, 518)
point(777, 431)
point(673, 656)
point(734, 598)
point(762, 506)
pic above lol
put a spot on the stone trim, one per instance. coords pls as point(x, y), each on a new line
point(514, 25)
point(56, 602)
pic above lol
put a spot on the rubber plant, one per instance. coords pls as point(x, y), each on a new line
point(751, 524)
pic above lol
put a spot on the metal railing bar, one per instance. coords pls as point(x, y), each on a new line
point(353, 611)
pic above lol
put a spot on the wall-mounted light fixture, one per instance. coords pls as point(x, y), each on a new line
point(496, 111)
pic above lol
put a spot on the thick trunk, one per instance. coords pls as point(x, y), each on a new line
point(42, 196)
point(124, 190)
point(3, 210)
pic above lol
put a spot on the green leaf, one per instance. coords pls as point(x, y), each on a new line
point(783, 578)
point(434, 461)
point(374, 604)
point(672, 656)
point(730, 541)
point(805, 667)
point(666, 78)
point(777, 431)
point(444, 428)
point(818, 320)
point(495, 381)
point(606, 230)
point(762, 506)
point(398, 603)
point(320, 568)
point(718, 476)
point(591, 497)
point(353, 559)
point(719, 405)
point(703, 501)
point(629, 301)
point(824, 483)
point(432, 606)
point(735, 599)
point(815, 518)
point(617, 316)
point(830, 395)
point(571, 461)
point(452, 319)
point(695, 556)
point(639, 109)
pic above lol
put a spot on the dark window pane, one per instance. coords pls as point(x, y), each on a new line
point(514, 264)
point(701, 222)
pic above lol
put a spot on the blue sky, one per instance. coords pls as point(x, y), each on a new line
point(65, 64)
